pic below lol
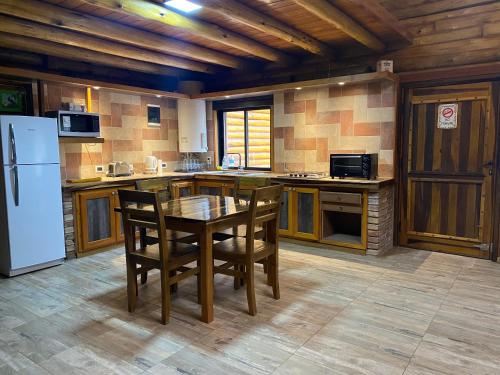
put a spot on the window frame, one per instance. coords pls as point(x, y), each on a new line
point(221, 123)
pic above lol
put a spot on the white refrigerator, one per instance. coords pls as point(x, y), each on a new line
point(31, 212)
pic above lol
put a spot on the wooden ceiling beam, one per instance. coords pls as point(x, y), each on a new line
point(53, 34)
point(73, 81)
point(23, 43)
point(71, 20)
point(384, 16)
point(267, 24)
point(334, 16)
point(206, 30)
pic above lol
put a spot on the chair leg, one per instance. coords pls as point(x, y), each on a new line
point(131, 285)
point(237, 279)
point(242, 279)
point(173, 288)
point(250, 280)
point(144, 278)
point(266, 268)
point(198, 282)
point(267, 264)
point(165, 296)
point(273, 263)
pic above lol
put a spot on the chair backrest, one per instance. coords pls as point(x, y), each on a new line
point(142, 209)
point(245, 185)
point(161, 185)
point(264, 210)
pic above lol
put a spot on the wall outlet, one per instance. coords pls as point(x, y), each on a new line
point(163, 164)
point(209, 160)
point(99, 169)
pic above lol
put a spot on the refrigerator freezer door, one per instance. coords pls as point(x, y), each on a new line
point(33, 140)
point(35, 224)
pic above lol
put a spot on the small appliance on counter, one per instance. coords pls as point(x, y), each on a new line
point(354, 165)
point(150, 165)
point(76, 123)
point(119, 169)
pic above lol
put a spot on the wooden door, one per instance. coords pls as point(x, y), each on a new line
point(447, 173)
point(306, 213)
point(97, 220)
point(286, 214)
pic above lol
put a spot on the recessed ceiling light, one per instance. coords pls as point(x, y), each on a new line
point(298, 88)
point(158, 96)
point(227, 96)
point(96, 87)
point(183, 5)
point(341, 83)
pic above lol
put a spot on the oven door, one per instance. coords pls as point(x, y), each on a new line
point(346, 166)
point(79, 125)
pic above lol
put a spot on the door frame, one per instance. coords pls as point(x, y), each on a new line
point(402, 139)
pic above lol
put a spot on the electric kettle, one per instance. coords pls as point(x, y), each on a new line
point(150, 164)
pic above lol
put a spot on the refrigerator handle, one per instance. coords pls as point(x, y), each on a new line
point(16, 185)
point(13, 144)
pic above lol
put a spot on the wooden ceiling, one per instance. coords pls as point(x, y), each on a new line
point(229, 39)
point(225, 35)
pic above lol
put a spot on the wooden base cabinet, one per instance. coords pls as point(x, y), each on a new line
point(97, 223)
point(182, 189)
point(300, 213)
point(210, 187)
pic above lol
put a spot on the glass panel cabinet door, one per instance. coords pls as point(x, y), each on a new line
point(285, 225)
point(306, 213)
point(185, 191)
point(97, 219)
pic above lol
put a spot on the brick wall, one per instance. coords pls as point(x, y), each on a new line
point(124, 128)
point(380, 221)
point(311, 124)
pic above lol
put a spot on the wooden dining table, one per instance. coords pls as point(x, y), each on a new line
point(204, 215)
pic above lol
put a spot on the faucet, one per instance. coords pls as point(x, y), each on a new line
point(240, 167)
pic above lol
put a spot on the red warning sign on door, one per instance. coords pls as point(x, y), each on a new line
point(447, 116)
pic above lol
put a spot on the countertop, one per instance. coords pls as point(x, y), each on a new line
point(278, 177)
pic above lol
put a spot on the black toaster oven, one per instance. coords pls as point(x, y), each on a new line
point(354, 165)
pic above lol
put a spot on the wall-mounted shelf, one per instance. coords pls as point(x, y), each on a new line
point(80, 140)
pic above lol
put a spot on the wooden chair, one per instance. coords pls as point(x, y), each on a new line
point(163, 186)
point(143, 210)
point(241, 253)
point(243, 188)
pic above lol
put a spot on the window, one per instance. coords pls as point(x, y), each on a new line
point(244, 128)
point(248, 133)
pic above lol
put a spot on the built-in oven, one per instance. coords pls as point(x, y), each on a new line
point(354, 165)
point(77, 124)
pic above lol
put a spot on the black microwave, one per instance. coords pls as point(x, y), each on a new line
point(354, 165)
point(77, 124)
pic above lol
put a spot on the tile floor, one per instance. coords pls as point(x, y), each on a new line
point(411, 312)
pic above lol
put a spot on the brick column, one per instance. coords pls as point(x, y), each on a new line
point(69, 225)
point(380, 221)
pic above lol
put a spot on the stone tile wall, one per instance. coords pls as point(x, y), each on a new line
point(311, 124)
point(124, 128)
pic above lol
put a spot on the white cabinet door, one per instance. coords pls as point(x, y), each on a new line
point(192, 118)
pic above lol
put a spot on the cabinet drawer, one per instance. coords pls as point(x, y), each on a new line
point(349, 198)
point(341, 208)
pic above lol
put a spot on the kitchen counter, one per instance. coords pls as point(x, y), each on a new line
point(218, 175)
point(125, 180)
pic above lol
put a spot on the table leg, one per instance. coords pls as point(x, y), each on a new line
point(207, 280)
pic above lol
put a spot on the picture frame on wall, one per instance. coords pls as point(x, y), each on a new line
point(154, 115)
point(12, 101)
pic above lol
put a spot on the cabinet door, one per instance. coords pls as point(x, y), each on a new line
point(286, 215)
point(120, 236)
point(228, 190)
point(182, 189)
point(209, 188)
point(306, 213)
point(97, 219)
